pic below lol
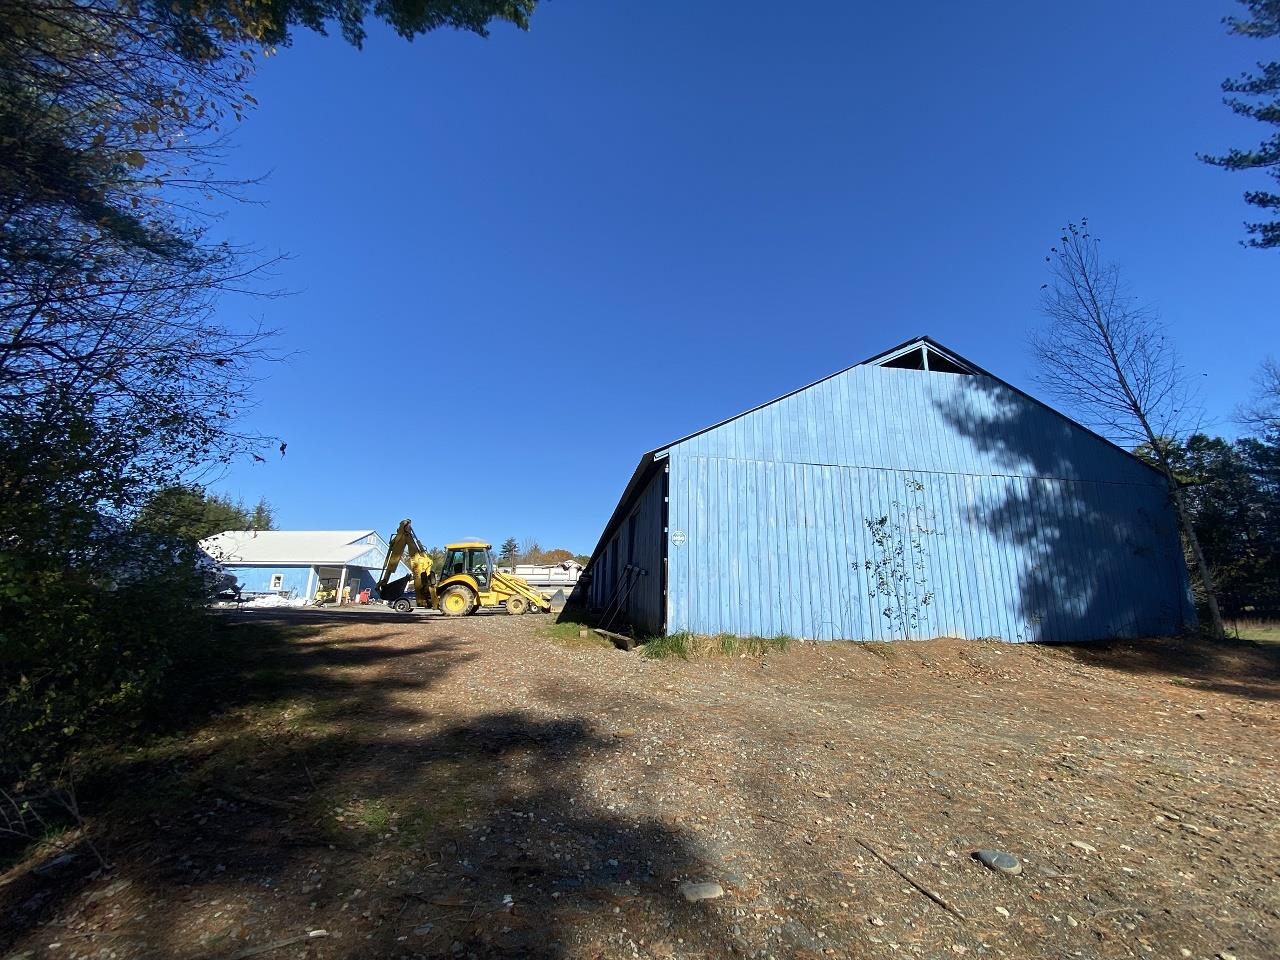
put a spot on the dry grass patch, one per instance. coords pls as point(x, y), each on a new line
point(568, 633)
point(693, 646)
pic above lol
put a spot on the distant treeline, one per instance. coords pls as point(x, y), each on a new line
point(1232, 488)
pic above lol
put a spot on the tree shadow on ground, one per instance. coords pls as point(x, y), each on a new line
point(206, 735)
point(310, 799)
point(264, 659)
point(345, 615)
point(327, 615)
point(1240, 668)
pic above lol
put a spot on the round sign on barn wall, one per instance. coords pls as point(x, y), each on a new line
point(678, 538)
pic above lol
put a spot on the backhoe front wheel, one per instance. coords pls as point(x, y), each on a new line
point(516, 606)
point(457, 601)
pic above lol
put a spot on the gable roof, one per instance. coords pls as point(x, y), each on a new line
point(929, 348)
point(291, 546)
point(649, 461)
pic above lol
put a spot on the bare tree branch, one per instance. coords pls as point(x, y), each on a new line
point(1262, 413)
point(1110, 360)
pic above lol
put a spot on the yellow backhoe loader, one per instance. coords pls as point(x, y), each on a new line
point(467, 582)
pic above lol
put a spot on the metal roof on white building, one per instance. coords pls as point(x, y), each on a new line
point(333, 547)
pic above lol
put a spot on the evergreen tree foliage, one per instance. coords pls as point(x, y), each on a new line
point(1232, 494)
point(186, 512)
point(507, 553)
point(1257, 96)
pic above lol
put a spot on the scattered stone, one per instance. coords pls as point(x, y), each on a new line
point(1052, 874)
point(999, 861)
point(875, 921)
point(109, 891)
point(423, 929)
point(701, 891)
point(823, 794)
point(1002, 911)
point(1081, 845)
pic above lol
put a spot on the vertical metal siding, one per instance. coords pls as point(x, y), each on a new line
point(1004, 556)
point(1036, 529)
point(916, 420)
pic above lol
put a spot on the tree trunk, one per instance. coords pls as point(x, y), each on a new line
point(1206, 578)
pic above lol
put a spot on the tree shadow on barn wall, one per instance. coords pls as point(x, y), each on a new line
point(313, 799)
point(1094, 559)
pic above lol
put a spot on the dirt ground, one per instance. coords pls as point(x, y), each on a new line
point(422, 787)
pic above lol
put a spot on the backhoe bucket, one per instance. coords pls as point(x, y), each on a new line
point(394, 590)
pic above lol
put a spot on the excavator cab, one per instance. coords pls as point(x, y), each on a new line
point(474, 559)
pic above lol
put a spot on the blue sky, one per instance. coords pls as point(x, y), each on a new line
point(520, 262)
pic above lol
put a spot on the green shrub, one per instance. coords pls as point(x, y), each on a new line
point(93, 611)
point(81, 661)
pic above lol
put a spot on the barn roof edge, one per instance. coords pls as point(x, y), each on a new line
point(649, 460)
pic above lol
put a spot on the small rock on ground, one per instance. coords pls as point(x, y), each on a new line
point(701, 891)
point(1000, 861)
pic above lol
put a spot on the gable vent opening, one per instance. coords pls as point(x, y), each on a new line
point(922, 357)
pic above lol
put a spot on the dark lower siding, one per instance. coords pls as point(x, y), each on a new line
point(628, 577)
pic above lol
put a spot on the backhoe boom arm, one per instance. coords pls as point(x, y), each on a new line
point(406, 548)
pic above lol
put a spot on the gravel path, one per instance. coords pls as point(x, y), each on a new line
point(427, 787)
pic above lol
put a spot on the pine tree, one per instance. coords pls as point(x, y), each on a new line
point(1256, 96)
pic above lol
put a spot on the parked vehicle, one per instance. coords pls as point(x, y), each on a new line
point(468, 581)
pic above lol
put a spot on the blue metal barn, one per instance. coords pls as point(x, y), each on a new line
point(911, 495)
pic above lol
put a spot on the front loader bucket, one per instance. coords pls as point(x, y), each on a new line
point(509, 584)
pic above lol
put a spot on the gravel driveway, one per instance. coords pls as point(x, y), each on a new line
point(382, 786)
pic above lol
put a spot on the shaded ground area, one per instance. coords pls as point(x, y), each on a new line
point(423, 787)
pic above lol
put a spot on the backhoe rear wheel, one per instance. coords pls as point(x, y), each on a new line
point(457, 601)
point(516, 605)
